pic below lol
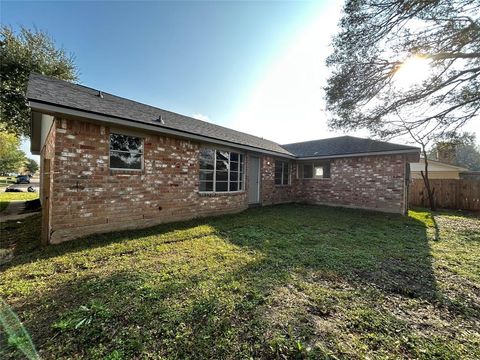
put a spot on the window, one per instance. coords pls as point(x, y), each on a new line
point(322, 170)
point(282, 173)
point(316, 170)
point(126, 152)
point(307, 171)
point(221, 171)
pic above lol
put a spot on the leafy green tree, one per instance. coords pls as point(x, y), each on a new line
point(379, 40)
point(31, 166)
point(12, 157)
point(20, 54)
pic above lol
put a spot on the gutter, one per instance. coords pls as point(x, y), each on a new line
point(391, 152)
point(51, 109)
point(55, 109)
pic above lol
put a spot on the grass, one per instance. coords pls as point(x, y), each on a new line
point(6, 197)
point(289, 281)
point(7, 180)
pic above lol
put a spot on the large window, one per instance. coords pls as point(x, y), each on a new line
point(282, 173)
point(221, 171)
point(314, 170)
point(126, 152)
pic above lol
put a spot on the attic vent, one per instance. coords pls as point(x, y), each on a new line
point(160, 120)
point(100, 94)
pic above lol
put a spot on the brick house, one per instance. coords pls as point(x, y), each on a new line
point(108, 163)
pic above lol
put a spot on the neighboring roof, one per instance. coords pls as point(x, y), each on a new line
point(435, 165)
point(61, 93)
point(344, 145)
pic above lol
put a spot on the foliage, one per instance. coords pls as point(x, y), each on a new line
point(291, 281)
point(31, 166)
point(378, 38)
point(11, 156)
point(20, 54)
point(461, 150)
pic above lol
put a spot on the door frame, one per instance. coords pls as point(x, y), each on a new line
point(46, 188)
point(259, 179)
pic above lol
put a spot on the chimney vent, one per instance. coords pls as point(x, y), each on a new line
point(100, 94)
point(160, 120)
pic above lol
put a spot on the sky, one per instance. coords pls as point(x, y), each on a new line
point(258, 67)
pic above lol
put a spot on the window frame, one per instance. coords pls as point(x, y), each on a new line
point(303, 170)
point(289, 167)
point(240, 179)
point(313, 164)
point(142, 153)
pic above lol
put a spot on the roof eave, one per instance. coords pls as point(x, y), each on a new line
point(450, 166)
point(35, 132)
point(373, 153)
point(54, 109)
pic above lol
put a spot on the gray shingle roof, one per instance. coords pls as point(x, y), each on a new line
point(61, 93)
point(65, 94)
point(343, 145)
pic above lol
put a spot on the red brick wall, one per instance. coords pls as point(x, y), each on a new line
point(371, 182)
point(88, 197)
point(276, 194)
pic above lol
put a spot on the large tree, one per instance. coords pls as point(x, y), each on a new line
point(462, 150)
point(379, 37)
point(12, 158)
point(406, 67)
point(31, 166)
point(21, 53)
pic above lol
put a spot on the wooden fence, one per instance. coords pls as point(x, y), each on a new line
point(449, 193)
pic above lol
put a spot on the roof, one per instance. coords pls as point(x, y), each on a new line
point(57, 96)
point(435, 165)
point(53, 91)
point(344, 145)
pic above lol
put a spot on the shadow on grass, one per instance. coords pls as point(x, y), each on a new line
point(389, 250)
point(216, 308)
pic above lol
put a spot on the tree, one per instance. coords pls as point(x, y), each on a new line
point(11, 156)
point(380, 42)
point(20, 54)
point(468, 155)
point(378, 39)
point(31, 166)
point(461, 150)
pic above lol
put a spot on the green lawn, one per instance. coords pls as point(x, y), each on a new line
point(7, 180)
point(282, 282)
point(6, 197)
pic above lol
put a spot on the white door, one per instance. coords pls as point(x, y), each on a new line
point(253, 180)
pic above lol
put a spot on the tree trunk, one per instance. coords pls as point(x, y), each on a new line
point(426, 181)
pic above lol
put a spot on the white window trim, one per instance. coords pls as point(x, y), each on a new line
point(214, 191)
point(142, 162)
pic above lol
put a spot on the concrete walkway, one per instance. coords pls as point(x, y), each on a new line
point(13, 211)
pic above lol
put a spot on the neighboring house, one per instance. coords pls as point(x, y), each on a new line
point(108, 163)
point(436, 170)
point(470, 175)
